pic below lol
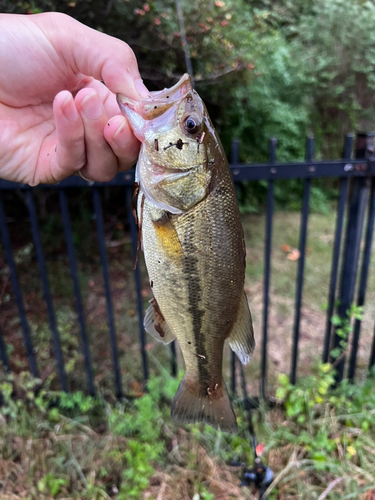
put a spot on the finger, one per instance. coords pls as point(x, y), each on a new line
point(124, 144)
point(94, 54)
point(107, 97)
point(68, 154)
point(101, 162)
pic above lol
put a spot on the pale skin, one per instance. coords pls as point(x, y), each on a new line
point(56, 116)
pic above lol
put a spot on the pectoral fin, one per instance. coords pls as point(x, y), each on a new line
point(156, 325)
point(241, 339)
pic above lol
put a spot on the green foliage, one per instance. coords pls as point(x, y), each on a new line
point(300, 400)
point(76, 402)
point(49, 483)
point(325, 417)
point(344, 328)
point(327, 431)
point(265, 69)
point(288, 194)
point(144, 427)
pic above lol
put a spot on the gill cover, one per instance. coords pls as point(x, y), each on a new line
point(172, 165)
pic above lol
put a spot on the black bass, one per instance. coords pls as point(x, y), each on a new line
point(194, 247)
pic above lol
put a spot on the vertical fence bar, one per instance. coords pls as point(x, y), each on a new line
point(104, 262)
point(301, 261)
point(137, 278)
point(17, 291)
point(356, 213)
point(233, 374)
point(74, 274)
point(363, 279)
point(46, 290)
point(235, 160)
point(336, 249)
point(372, 355)
point(3, 353)
point(267, 270)
point(174, 367)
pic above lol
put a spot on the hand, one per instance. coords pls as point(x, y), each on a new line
point(46, 134)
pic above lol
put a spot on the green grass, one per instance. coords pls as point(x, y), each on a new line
point(73, 447)
point(286, 227)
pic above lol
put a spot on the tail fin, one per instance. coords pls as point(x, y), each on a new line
point(215, 409)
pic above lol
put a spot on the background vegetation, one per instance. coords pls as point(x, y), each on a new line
point(320, 442)
point(264, 68)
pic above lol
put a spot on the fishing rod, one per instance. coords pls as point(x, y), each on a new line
point(259, 475)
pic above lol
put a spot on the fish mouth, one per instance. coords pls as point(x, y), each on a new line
point(160, 174)
point(159, 101)
point(183, 82)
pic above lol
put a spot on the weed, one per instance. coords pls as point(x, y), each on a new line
point(73, 446)
point(344, 328)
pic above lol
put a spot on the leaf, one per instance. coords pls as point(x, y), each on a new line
point(286, 248)
point(294, 254)
point(336, 320)
point(42, 483)
point(283, 379)
point(281, 393)
point(351, 450)
point(325, 367)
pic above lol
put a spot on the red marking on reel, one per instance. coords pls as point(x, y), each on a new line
point(259, 449)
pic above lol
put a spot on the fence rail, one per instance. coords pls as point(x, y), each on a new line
point(356, 196)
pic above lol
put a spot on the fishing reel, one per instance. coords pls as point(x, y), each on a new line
point(260, 475)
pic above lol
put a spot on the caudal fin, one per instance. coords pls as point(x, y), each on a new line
point(215, 409)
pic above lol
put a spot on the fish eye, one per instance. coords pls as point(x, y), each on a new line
point(191, 124)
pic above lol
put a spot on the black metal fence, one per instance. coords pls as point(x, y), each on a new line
point(356, 195)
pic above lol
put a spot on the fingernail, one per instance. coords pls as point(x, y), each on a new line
point(121, 138)
point(141, 88)
point(92, 106)
point(69, 109)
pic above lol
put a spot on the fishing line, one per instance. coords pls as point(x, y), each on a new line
point(184, 42)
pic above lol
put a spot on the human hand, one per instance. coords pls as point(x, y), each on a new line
point(46, 134)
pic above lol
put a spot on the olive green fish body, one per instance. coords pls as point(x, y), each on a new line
point(195, 256)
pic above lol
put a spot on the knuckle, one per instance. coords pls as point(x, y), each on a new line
point(107, 176)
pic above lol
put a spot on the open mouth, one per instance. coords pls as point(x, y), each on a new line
point(159, 101)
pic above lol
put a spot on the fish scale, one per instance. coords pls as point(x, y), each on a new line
point(194, 248)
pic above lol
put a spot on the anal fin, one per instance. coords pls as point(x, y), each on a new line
point(241, 338)
point(156, 325)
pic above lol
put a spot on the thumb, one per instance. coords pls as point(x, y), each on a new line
point(96, 54)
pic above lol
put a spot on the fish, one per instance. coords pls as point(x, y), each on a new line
point(194, 248)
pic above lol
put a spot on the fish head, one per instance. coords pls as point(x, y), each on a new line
point(177, 136)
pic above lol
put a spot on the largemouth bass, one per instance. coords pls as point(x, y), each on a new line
point(194, 247)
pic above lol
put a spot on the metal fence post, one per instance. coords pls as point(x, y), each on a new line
point(363, 279)
point(301, 261)
point(267, 270)
point(358, 196)
point(341, 203)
